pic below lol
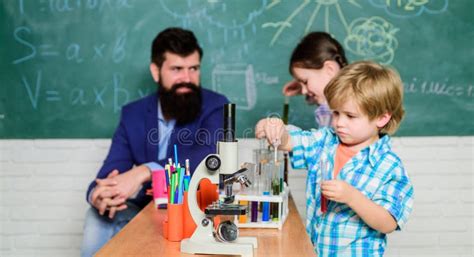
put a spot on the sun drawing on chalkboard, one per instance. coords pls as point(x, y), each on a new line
point(368, 38)
point(326, 6)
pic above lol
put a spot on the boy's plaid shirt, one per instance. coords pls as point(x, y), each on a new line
point(375, 171)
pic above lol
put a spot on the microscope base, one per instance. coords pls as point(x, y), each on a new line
point(242, 246)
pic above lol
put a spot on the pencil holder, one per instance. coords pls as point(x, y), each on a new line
point(165, 228)
point(189, 225)
point(175, 222)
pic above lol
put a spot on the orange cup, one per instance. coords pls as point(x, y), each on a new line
point(165, 228)
point(189, 225)
point(175, 222)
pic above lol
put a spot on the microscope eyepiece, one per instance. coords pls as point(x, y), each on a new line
point(229, 123)
point(213, 163)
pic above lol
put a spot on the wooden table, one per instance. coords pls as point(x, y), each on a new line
point(143, 236)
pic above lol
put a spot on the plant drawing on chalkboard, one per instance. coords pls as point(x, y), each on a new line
point(411, 8)
point(372, 38)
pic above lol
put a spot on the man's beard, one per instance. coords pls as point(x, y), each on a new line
point(183, 107)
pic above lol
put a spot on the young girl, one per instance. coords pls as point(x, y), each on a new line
point(314, 62)
point(352, 163)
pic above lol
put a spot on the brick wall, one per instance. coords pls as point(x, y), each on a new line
point(42, 199)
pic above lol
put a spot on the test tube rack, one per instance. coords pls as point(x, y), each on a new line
point(281, 200)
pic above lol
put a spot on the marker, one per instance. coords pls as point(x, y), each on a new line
point(180, 185)
point(174, 188)
point(188, 172)
point(160, 194)
point(186, 182)
point(167, 174)
point(174, 174)
point(176, 155)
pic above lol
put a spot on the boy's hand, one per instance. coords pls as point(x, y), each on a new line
point(274, 130)
point(270, 128)
point(374, 215)
point(338, 191)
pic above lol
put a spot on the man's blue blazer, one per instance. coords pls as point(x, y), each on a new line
point(135, 140)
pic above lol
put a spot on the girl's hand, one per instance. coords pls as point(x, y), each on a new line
point(292, 88)
point(338, 191)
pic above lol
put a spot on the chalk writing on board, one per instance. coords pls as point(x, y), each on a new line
point(276, 24)
point(65, 6)
point(230, 17)
point(411, 8)
point(237, 81)
point(185, 11)
point(438, 88)
point(264, 78)
point(59, 56)
point(72, 52)
point(76, 95)
point(372, 38)
point(244, 14)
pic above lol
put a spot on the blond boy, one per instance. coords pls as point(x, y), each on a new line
point(368, 191)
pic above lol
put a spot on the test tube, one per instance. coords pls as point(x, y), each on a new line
point(281, 173)
point(261, 158)
point(286, 110)
point(285, 168)
point(256, 183)
point(276, 188)
point(275, 153)
point(325, 175)
point(243, 217)
point(266, 209)
point(254, 211)
point(275, 170)
point(267, 175)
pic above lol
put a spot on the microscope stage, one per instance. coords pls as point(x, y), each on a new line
point(227, 209)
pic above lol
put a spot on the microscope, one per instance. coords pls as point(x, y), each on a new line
point(225, 239)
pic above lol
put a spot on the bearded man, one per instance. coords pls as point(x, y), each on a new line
point(181, 112)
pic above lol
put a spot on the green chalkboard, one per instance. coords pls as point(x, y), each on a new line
point(67, 66)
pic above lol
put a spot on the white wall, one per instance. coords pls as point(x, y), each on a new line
point(43, 200)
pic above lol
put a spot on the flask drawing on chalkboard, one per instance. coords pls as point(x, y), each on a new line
point(237, 82)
